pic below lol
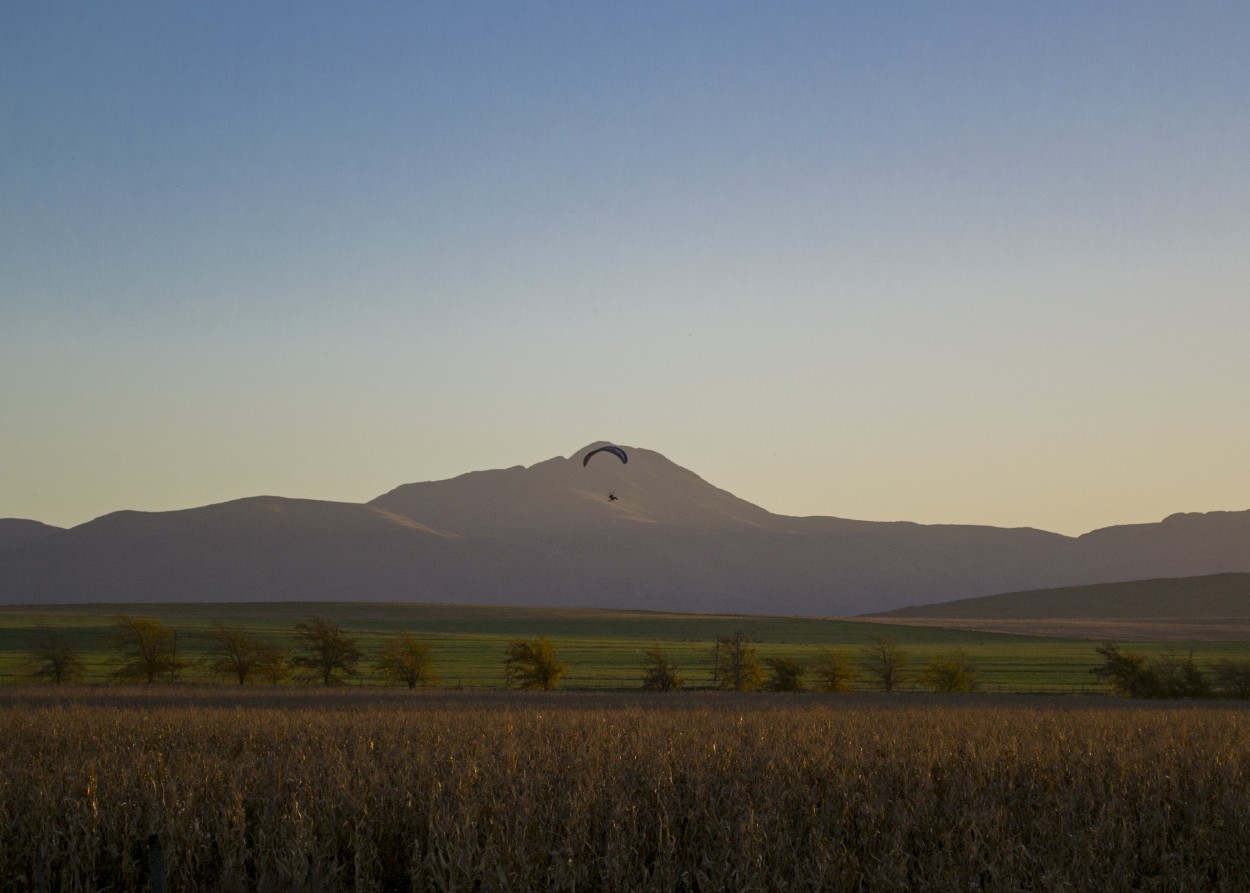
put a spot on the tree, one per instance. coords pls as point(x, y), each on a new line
point(660, 674)
point(785, 674)
point(1181, 678)
point(735, 666)
point(951, 673)
point(327, 651)
point(273, 664)
point(55, 656)
point(1126, 672)
point(1233, 677)
point(886, 662)
point(405, 660)
point(148, 650)
point(1137, 677)
point(834, 672)
point(532, 664)
point(238, 655)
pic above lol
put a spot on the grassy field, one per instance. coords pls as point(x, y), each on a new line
point(351, 789)
point(603, 649)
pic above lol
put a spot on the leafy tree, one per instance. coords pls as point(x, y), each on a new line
point(148, 650)
point(237, 654)
point(55, 656)
point(1233, 677)
point(950, 673)
point(785, 674)
point(1137, 677)
point(886, 662)
point(532, 664)
point(834, 672)
point(1181, 678)
point(273, 664)
point(405, 660)
point(735, 666)
point(327, 653)
point(659, 673)
point(1126, 672)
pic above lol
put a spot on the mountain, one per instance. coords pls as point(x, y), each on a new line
point(1222, 596)
point(16, 532)
point(549, 535)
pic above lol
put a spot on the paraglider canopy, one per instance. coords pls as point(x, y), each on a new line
point(614, 450)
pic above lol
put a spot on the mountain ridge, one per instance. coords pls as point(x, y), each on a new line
point(548, 534)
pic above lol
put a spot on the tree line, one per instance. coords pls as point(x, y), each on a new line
point(1135, 675)
point(145, 650)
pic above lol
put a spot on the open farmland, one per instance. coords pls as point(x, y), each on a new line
point(603, 649)
point(349, 789)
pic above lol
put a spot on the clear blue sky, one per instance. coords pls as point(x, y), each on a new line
point(940, 262)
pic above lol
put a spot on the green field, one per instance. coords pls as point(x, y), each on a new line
point(603, 649)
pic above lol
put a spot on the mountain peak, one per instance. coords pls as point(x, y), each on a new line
point(549, 534)
point(560, 494)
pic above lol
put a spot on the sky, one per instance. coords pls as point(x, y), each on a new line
point(975, 263)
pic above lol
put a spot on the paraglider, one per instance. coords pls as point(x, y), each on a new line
point(614, 450)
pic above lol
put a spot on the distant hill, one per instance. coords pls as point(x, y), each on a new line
point(1222, 596)
point(16, 532)
point(549, 535)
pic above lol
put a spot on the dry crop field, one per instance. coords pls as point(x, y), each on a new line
point(128, 789)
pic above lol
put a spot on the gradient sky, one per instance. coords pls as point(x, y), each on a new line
point(940, 262)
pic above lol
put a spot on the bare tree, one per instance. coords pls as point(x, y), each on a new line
point(55, 656)
point(405, 660)
point(531, 663)
point(886, 662)
point(327, 652)
point(148, 650)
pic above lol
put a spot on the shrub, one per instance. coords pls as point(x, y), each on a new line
point(659, 673)
point(735, 666)
point(785, 674)
point(532, 664)
point(951, 673)
point(405, 661)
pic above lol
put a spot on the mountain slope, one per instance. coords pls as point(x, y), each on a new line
point(549, 535)
point(15, 532)
point(1187, 598)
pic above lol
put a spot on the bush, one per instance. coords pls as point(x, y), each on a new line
point(532, 664)
point(735, 665)
point(660, 674)
point(834, 672)
point(785, 674)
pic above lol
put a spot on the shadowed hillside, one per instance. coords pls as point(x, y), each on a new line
point(15, 532)
point(1216, 596)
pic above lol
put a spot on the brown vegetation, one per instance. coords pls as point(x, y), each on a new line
point(344, 791)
